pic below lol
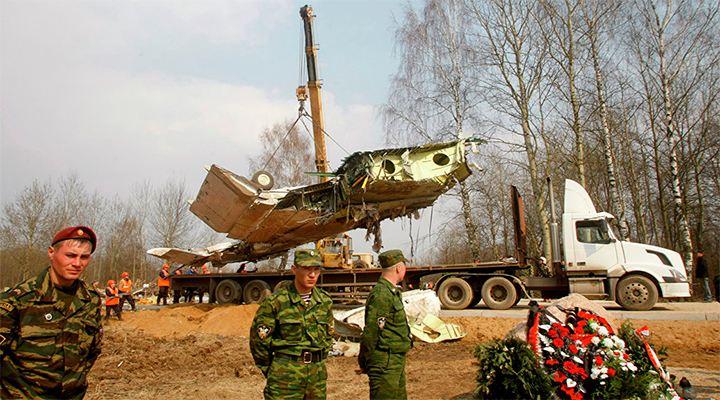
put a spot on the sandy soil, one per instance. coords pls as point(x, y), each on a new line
point(201, 352)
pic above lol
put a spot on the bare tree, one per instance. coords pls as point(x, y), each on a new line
point(517, 59)
point(25, 233)
point(287, 154)
point(171, 225)
point(557, 22)
point(667, 44)
point(435, 94)
point(597, 18)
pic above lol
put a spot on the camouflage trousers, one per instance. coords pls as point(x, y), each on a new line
point(290, 379)
point(387, 376)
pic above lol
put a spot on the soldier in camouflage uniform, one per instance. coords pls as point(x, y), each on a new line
point(386, 337)
point(292, 334)
point(50, 328)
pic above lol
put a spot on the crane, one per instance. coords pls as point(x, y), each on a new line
point(313, 90)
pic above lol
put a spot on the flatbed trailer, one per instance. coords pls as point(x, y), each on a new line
point(354, 285)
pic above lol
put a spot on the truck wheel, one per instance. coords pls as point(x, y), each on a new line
point(282, 284)
point(499, 293)
point(256, 291)
point(228, 291)
point(360, 264)
point(636, 293)
point(263, 180)
point(455, 293)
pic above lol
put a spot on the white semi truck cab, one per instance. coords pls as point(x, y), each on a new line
point(600, 266)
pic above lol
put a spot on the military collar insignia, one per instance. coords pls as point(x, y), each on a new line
point(48, 317)
point(263, 331)
point(381, 322)
point(2, 339)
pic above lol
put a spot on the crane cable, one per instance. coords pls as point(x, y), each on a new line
point(281, 142)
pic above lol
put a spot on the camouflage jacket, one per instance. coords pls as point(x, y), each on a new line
point(386, 326)
point(284, 324)
point(48, 346)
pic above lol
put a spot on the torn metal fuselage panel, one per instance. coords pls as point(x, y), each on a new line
point(367, 188)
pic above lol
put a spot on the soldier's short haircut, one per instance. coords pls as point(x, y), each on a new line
point(58, 245)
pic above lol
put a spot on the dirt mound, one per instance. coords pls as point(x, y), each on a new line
point(186, 319)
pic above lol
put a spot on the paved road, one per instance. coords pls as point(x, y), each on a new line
point(661, 311)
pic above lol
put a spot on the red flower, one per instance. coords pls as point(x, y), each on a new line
point(586, 338)
point(573, 348)
point(552, 333)
point(626, 356)
point(611, 372)
point(579, 330)
point(558, 342)
point(585, 315)
point(598, 361)
point(551, 361)
point(559, 376)
point(572, 368)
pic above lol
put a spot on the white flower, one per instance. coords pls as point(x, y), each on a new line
point(577, 360)
point(619, 343)
point(602, 331)
point(595, 340)
point(570, 383)
point(545, 340)
point(549, 349)
point(631, 367)
point(544, 327)
point(594, 326)
point(607, 342)
point(603, 376)
point(562, 353)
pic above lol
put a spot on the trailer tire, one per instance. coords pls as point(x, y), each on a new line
point(455, 293)
point(282, 284)
point(636, 293)
point(499, 293)
point(360, 264)
point(256, 291)
point(228, 291)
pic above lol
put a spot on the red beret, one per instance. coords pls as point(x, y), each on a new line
point(76, 232)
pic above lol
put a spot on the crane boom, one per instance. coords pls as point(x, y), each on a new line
point(314, 90)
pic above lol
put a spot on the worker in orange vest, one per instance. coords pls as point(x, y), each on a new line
point(112, 300)
point(163, 284)
point(126, 292)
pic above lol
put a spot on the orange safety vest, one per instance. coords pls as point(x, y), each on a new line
point(125, 285)
point(163, 278)
point(114, 301)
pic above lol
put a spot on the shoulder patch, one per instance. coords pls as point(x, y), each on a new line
point(6, 306)
point(381, 322)
point(263, 331)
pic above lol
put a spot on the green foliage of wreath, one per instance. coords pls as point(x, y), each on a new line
point(508, 369)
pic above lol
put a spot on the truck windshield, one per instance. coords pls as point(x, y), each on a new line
point(592, 232)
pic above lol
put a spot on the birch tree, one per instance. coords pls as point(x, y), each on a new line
point(434, 95)
point(667, 44)
point(516, 55)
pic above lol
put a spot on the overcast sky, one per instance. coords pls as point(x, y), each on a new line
point(121, 92)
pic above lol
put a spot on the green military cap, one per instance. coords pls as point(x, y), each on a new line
point(308, 258)
point(391, 257)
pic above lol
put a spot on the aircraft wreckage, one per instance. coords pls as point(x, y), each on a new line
point(367, 188)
